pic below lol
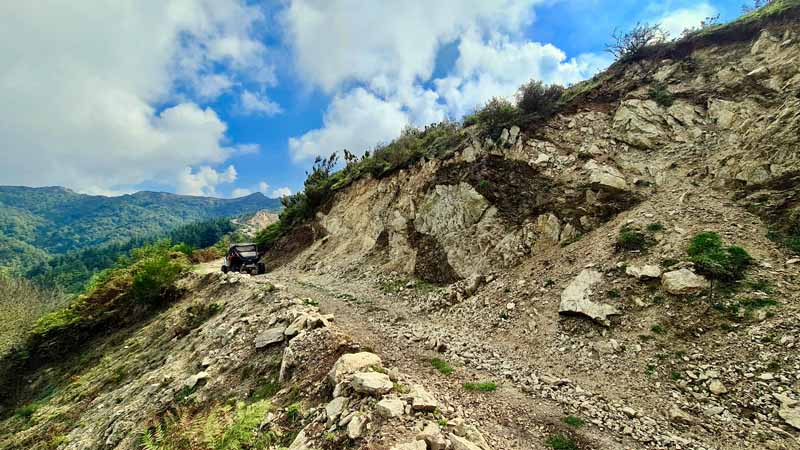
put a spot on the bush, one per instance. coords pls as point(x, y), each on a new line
point(661, 95)
point(113, 299)
point(537, 101)
point(629, 45)
point(561, 442)
point(496, 115)
point(153, 274)
point(630, 239)
point(713, 259)
point(22, 303)
point(573, 421)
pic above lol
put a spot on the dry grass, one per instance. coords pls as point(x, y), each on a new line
point(22, 303)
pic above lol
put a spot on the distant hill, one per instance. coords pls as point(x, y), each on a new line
point(36, 223)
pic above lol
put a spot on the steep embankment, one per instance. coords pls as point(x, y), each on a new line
point(693, 139)
point(240, 341)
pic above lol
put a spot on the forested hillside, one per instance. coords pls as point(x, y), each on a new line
point(71, 272)
point(37, 223)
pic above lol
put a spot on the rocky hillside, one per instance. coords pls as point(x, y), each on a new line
point(36, 223)
point(621, 275)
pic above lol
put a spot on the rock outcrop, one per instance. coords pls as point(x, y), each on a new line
point(577, 298)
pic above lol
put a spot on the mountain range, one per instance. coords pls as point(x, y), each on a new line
point(37, 223)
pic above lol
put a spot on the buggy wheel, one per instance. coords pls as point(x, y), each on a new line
point(224, 268)
point(262, 268)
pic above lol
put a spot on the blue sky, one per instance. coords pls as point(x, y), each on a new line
point(229, 97)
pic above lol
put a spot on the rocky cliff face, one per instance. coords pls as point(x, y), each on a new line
point(731, 123)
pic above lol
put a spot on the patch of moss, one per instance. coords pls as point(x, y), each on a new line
point(442, 366)
point(573, 421)
point(483, 386)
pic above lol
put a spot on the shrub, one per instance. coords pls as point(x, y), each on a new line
point(20, 316)
point(497, 114)
point(186, 249)
point(573, 421)
point(442, 366)
point(630, 239)
point(630, 44)
point(293, 412)
point(661, 95)
point(535, 100)
point(655, 227)
point(561, 441)
point(153, 274)
point(713, 259)
point(483, 386)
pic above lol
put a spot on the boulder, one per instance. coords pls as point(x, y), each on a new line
point(297, 326)
point(644, 272)
point(461, 443)
point(471, 433)
point(334, 408)
point(351, 363)
point(473, 284)
point(432, 435)
point(683, 282)
point(576, 298)
point(603, 176)
point(676, 415)
point(549, 226)
point(390, 407)
point(301, 442)
point(717, 388)
point(269, 337)
point(416, 445)
point(421, 400)
point(356, 427)
point(371, 383)
point(789, 410)
point(513, 133)
point(191, 381)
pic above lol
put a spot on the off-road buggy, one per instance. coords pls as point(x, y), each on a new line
point(243, 258)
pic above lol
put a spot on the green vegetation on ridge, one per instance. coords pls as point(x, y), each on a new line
point(37, 223)
point(72, 271)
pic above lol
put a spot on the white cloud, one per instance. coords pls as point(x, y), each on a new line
point(205, 180)
point(263, 187)
point(254, 103)
point(674, 22)
point(498, 67)
point(101, 96)
point(337, 41)
point(281, 192)
point(355, 121)
point(247, 149)
point(389, 57)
